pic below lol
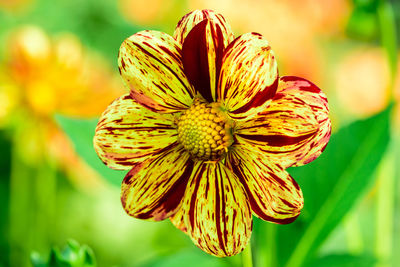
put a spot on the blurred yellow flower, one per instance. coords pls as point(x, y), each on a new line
point(362, 81)
point(43, 77)
point(58, 76)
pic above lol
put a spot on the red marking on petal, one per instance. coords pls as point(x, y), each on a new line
point(123, 63)
point(145, 101)
point(311, 88)
point(253, 203)
point(143, 50)
point(260, 98)
point(195, 50)
point(195, 59)
point(195, 193)
point(277, 140)
point(173, 197)
point(218, 198)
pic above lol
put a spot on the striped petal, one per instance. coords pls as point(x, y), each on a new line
point(178, 220)
point(216, 211)
point(153, 189)
point(190, 20)
point(128, 133)
point(249, 76)
point(151, 66)
point(294, 129)
point(273, 194)
point(202, 52)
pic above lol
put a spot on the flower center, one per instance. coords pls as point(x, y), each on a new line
point(205, 131)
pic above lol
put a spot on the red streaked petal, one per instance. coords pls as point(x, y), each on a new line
point(127, 133)
point(190, 20)
point(153, 189)
point(249, 76)
point(178, 220)
point(318, 103)
point(151, 66)
point(294, 129)
point(273, 194)
point(202, 53)
point(216, 211)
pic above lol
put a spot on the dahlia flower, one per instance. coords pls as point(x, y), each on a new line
point(207, 131)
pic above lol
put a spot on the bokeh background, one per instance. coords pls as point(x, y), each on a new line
point(58, 72)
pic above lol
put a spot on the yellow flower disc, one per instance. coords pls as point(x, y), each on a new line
point(204, 131)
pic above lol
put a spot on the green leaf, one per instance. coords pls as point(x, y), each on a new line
point(344, 261)
point(37, 260)
point(81, 133)
point(366, 4)
point(332, 184)
point(73, 255)
point(363, 25)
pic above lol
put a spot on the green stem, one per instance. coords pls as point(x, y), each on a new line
point(21, 206)
point(270, 248)
point(388, 38)
point(385, 208)
point(247, 257)
point(45, 193)
point(32, 194)
point(386, 180)
point(353, 233)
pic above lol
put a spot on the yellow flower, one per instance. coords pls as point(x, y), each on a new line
point(362, 81)
point(43, 76)
point(57, 75)
point(207, 131)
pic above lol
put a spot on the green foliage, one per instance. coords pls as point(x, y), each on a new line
point(363, 21)
point(73, 255)
point(388, 35)
point(363, 25)
point(81, 134)
point(5, 167)
point(374, 21)
point(331, 186)
point(344, 261)
point(196, 258)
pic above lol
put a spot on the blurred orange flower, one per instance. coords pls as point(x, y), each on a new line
point(58, 76)
point(45, 76)
point(362, 81)
point(162, 13)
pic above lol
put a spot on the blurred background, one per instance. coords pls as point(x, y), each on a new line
point(58, 73)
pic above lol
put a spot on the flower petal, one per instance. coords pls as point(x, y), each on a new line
point(249, 76)
point(190, 20)
point(153, 189)
point(128, 133)
point(216, 211)
point(178, 220)
point(202, 53)
point(151, 66)
point(294, 129)
point(273, 194)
